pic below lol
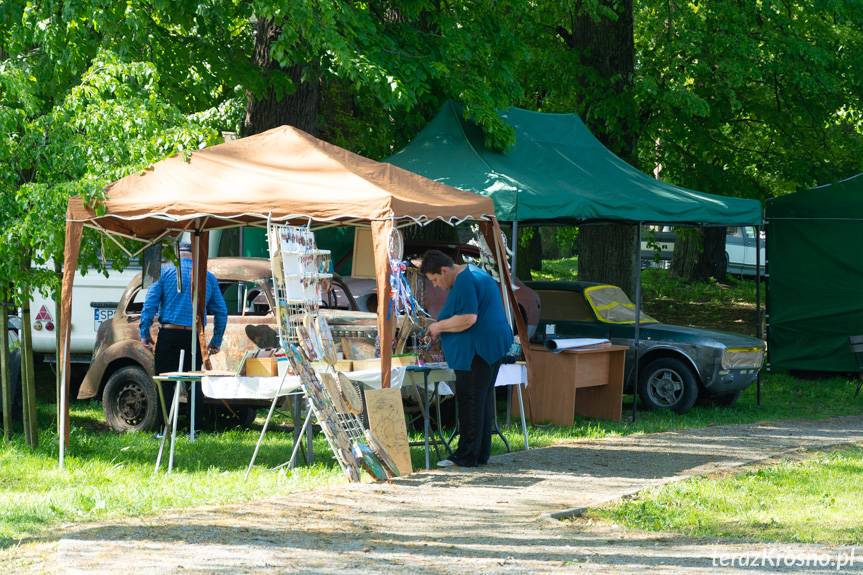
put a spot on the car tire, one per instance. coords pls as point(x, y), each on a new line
point(668, 383)
point(130, 401)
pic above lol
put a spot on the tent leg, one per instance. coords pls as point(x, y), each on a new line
point(758, 305)
point(637, 268)
point(514, 243)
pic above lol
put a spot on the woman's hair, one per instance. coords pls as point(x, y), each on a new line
point(433, 261)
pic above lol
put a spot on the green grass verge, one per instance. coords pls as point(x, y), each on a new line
point(111, 475)
point(811, 501)
point(108, 475)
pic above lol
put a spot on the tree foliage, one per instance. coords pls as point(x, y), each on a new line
point(751, 99)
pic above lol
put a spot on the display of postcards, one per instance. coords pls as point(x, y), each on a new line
point(353, 473)
point(311, 327)
point(311, 351)
point(370, 462)
point(322, 262)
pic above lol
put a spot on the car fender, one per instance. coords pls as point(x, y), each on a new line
point(128, 352)
point(655, 352)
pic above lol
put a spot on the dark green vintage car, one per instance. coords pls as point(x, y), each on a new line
point(676, 365)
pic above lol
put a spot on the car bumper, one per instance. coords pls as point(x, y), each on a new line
point(724, 381)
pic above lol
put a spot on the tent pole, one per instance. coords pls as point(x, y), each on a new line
point(514, 242)
point(637, 318)
point(194, 286)
point(63, 405)
point(758, 306)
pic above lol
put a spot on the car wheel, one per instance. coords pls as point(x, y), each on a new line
point(129, 400)
point(668, 383)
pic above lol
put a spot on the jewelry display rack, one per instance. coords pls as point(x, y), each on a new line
point(301, 273)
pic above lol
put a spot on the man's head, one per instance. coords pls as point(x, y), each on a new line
point(185, 249)
point(438, 268)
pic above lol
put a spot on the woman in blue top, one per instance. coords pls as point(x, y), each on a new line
point(475, 336)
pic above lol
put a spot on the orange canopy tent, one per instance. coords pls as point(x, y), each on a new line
point(283, 176)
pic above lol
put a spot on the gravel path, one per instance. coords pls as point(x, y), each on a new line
point(501, 519)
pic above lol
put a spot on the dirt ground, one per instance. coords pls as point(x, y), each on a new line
point(518, 515)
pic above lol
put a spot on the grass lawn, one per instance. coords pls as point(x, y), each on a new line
point(812, 501)
point(111, 475)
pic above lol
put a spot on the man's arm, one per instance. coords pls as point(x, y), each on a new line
point(151, 308)
point(216, 305)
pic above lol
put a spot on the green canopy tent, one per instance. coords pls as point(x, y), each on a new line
point(558, 173)
point(815, 264)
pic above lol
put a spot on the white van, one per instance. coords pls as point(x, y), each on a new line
point(94, 299)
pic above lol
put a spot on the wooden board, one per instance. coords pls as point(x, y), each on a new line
point(387, 422)
point(364, 255)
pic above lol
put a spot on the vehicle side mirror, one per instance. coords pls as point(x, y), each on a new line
point(152, 265)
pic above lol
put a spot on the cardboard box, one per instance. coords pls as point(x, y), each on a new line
point(344, 365)
point(262, 367)
point(398, 361)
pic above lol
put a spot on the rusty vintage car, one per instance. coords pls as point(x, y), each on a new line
point(121, 369)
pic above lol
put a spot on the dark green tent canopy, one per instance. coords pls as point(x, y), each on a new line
point(558, 171)
point(815, 265)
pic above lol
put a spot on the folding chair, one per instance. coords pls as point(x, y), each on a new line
point(856, 343)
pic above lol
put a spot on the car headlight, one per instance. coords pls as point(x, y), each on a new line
point(742, 357)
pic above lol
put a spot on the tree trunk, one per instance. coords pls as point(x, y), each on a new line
point(28, 379)
point(272, 109)
point(699, 254)
point(607, 46)
point(611, 257)
point(528, 257)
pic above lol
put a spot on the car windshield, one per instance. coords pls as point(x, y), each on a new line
point(612, 306)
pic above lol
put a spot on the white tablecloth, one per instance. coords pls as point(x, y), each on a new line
point(226, 387)
point(400, 376)
point(511, 374)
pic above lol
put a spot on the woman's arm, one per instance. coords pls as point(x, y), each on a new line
point(453, 324)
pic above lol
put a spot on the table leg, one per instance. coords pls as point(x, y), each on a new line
point(175, 405)
point(264, 430)
point(425, 414)
point(193, 391)
point(439, 422)
point(166, 418)
point(523, 423)
point(293, 460)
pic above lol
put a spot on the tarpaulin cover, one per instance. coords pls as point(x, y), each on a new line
point(558, 171)
point(815, 266)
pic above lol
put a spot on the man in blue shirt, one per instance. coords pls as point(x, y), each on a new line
point(176, 318)
point(475, 336)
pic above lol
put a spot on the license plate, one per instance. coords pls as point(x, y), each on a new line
point(102, 314)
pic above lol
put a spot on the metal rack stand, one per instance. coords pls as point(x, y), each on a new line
point(299, 269)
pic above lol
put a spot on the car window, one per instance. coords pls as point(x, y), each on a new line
point(612, 305)
point(244, 298)
point(731, 231)
point(335, 298)
point(562, 305)
point(136, 302)
point(749, 232)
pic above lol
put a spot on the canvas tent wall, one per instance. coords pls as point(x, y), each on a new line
point(558, 173)
point(815, 270)
point(284, 175)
